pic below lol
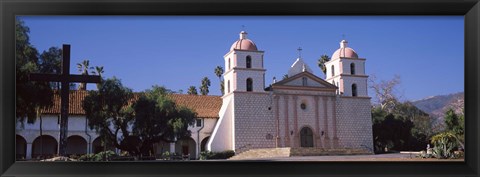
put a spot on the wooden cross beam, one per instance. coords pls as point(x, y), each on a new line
point(65, 78)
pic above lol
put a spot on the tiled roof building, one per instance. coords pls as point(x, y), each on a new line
point(205, 106)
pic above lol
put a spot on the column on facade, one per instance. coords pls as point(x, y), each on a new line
point(28, 154)
point(277, 117)
point(296, 138)
point(326, 141)
point(287, 130)
point(89, 147)
point(317, 124)
point(334, 122)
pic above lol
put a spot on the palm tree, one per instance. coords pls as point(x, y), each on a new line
point(83, 68)
point(99, 71)
point(192, 90)
point(205, 85)
point(321, 63)
point(219, 72)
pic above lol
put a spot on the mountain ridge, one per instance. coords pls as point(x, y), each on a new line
point(436, 106)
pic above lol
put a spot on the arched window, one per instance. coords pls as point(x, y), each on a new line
point(249, 62)
point(304, 81)
point(249, 84)
point(228, 86)
point(333, 71)
point(229, 63)
point(354, 89)
point(352, 68)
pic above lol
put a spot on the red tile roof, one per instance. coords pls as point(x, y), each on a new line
point(206, 106)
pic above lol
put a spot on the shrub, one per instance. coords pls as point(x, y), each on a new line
point(205, 154)
point(216, 155)
point(166, 155)
point(98, 157)
point(86, 157)
point(444, 144)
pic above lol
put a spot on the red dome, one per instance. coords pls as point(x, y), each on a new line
point(243, 43)
point(344, 51)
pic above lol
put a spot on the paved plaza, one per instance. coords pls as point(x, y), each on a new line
point(404, 156)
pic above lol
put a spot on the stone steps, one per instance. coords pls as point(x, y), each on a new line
point(323, 152)
point(265, 153)
point(262, 153)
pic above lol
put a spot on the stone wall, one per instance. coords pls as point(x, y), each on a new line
point(354, 122)
point(254, 122)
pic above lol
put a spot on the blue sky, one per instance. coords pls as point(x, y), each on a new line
point(427, 52)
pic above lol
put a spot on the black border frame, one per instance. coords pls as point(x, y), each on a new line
point(10, 8)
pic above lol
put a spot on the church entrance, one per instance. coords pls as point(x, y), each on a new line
point(306, 137)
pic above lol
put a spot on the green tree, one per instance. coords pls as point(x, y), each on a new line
point(218, 73)
point(392, 133)
point(192, 90)
point(452, 122)
point(83, 68)
point(454, 125)
point(157, 118)
point(31, 97)
point(108, 112)
point(204, 86)
point(405, 127)
point(51, 62)
point(321, 63)
point(140, 123)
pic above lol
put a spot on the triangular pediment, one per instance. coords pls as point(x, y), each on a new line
point(311, 81)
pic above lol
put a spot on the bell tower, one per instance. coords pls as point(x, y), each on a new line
point(244, 70)
point(347, 71)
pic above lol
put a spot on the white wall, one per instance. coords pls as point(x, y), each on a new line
point(223, 133)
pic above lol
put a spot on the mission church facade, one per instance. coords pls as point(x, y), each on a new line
point(302, 110)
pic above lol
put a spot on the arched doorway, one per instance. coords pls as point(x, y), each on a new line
point(76, 145)
point(203, 144)
point(44, 146)
point(98, 145)
point(20, 147)
point(186, 146)
point(306, 137)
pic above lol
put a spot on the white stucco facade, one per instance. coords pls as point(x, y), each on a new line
point(82, 140)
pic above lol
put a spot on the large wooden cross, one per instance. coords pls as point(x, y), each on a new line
point(65, 78)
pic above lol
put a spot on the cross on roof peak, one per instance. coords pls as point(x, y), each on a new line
point(299, 52)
